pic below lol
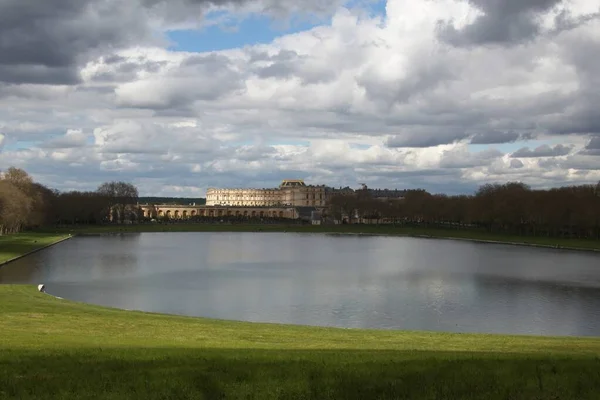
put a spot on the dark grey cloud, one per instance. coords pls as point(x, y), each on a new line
point(122, 70)
point(594, 143)
point(275, 71)
point(437, 172)
point(592, 148)
point(543, 151)
point(516, 164)
point(64, 175)
point(38, 74)
point(211, 62)
point(417, 107)
point(502, 22)
point(425, 76)
point(427, 137)
point(464, 159)
point(73, 139)
point(176, 10)
point(46, 41)
point(565, 21)
point(547, 163)
point(199, 78)
point(114, 59)
point(583, 117)
point(581, 162)
point(494, 137)
point(286, 63)
point(254, 153)
point(281, 56)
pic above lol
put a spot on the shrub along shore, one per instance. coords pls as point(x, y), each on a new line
point(58, 349)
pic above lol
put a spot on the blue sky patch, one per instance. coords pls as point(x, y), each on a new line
point(256, 29)
point(373, 7)
point(20, 145)
point(232, 32)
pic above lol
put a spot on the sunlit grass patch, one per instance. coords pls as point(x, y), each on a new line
point(16, 245)
point(58, 349)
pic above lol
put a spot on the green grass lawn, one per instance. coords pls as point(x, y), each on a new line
point(57, 349)
point(12, 246)
point(365, 229)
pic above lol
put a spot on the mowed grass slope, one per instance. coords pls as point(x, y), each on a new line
point(16, 245)
point(57, 349)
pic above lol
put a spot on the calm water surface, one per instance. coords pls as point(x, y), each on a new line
point(329, 280)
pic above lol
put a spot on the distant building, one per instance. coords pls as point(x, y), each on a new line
point(291, 192)
point(293, 199)
point(183, 212)
point(387, 194)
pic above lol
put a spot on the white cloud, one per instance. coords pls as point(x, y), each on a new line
point(379, 100)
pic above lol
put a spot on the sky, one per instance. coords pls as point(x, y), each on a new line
point(179, 96)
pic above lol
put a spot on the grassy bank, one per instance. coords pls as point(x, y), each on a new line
point(356, 229)
point(56, 349)
point(16, 245)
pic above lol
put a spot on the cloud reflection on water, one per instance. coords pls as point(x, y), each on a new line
point(376, 282)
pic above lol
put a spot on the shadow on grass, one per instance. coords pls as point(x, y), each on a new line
point(280, 374)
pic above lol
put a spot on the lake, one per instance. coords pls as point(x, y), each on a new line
point(329, 280)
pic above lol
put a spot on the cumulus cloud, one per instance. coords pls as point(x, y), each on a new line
point(428, 137)
point(71, 139)
point(584, 163)
point(205, 78)
point(494, 137)
point(507, 22)
point(516, 164)
point(91, 90)
point(592, 148)
point(461, 157)
point(142, 139)
point(543, 151)
point(45, 42)
point(187, 11)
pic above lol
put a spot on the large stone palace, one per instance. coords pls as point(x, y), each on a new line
point(291, 192)
point(175, 211)
point(293, 199)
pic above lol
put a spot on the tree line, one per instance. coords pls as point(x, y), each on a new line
point(510, 208)
point(27, 204)
point(172, 200)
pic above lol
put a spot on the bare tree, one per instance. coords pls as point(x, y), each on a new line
point(17, 177)
point(15, 208)
point(122, 198)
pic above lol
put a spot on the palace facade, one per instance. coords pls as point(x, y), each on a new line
point(170, 211)
point(290, 193)
point(293, 199)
